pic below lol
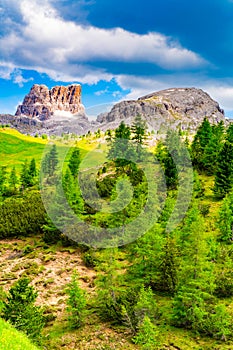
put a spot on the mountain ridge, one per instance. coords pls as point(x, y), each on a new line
point(175, 108)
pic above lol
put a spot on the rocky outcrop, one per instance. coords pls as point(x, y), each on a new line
point(183, 108)
point(59, 110)
point(42, 103)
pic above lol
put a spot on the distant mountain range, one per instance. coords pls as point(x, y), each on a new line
point(60, 110)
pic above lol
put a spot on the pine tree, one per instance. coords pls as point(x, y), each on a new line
point(53, 160)
point(225, 221)
point(120, 148)
point(32, 168)
point(148, 335)
point(74, 162)
point(69, 186)
point(213, 148)
point(168, 269)
point(13, 181)
point(224, 173)
point(76, 302)
point(19, 309)
point(138, 130)
point(50, 161)
point(229, 133)
point(25, 178)
point(3, 178)
point(200, 142)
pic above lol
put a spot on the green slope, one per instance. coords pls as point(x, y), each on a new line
point(11, 339)
point(15, 148)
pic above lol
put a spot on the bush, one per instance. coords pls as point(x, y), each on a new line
point(22, 216)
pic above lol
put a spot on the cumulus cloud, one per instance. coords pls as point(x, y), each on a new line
point(222, 93)
point(19, 79)
point(66, 50)
point(9, 72)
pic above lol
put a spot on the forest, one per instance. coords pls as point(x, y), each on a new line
point(161, 282)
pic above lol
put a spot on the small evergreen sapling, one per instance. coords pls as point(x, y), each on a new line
point(76, 302)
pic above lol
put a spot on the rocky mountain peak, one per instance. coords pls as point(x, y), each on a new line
point(42, 103)
point(183, 108)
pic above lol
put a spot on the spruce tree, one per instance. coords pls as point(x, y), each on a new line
point(50, 161)
point(74, 162)
point(120, 148)
point(201, 140)
point(3, 178)
point(225, 220)
point(13, 181)
point(20, 310)
point(138, 130)
point(76, 302)
point(32, 168)
point(224, 173)
point(25, 178)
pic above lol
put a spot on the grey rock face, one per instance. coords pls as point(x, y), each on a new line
point(59, 110)
point(179, 107)
point(42, 103)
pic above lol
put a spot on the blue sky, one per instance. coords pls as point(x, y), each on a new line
point(116, 49)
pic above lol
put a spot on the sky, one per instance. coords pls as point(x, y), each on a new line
point(117, 50)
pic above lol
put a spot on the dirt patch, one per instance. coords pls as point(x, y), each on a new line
point(49, 271)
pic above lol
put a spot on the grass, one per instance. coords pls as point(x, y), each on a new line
point(11, 339)
point(15, 148)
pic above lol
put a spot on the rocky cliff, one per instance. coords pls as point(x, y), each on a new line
point(183, 108)
point(59, 110)
point(42, 103)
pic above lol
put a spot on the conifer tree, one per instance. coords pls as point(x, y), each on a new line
point(120, 148)
point(25, 178)
point(32, 168)
point(224, 173)
point(225, 221)
point(201, 140)
point(229, 133)
point(19, 309)
point(168, 269)
point(213, 148)
point(3, 178)
point(13, 180)
point(74, 162)
point(50, 161)
point(76, 302)
point(138, 130)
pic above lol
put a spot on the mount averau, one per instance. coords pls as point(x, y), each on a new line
point(60, 110)
point(43, 103)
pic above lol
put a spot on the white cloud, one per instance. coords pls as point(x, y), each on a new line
point(9, 72)
point(140, 86)
point(222, 93)
point(64, 49)
point(19, 79)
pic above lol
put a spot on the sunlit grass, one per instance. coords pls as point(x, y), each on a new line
point(11, 339)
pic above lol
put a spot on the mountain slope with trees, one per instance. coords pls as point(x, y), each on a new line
point(166, 289)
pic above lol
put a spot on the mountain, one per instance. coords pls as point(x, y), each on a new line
point(183, 108)
point(54, 111)
point(60, 110)
point(42, 103)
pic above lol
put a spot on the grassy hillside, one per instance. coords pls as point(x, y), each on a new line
point(184, 275)
point(11, 339)
point(16, 147)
